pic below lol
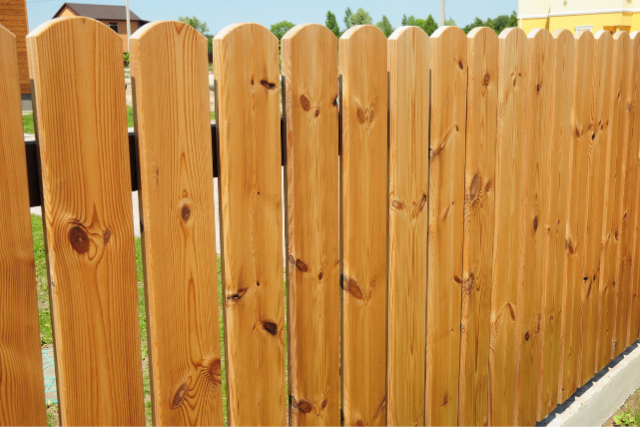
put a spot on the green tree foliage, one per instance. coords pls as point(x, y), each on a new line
point(347, 18)
point(385, 26)
point(449, 22)
point(280, 29)
point(361, 17)
point(195, 23)
point(429, 25)
point(332, 24)
point(498, 24)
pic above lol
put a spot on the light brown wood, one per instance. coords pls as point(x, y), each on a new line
point(557, 181)
point(309, 68)
point(248, 113)
point(634, 327)
point(510, 167)
point(13, 16)
point(479, 211)
point(446, 206)
point(363, 58)
point(21, 382)
point(170, 74)
point(76, 65)
point(408, 65)
point(613, 196)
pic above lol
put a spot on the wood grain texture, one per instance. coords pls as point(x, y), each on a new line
point(363, 58)
point(13, 16)
point(479, 211)
point(21, 382)
point(408, 65)
point(76, 67)
point(528, 315)
point(510, 158)
point(591, 201)
point(309, 67)
point(248, 112)
point(634, 323)
point(612, 200)
point(169, 69)
point(554, 231)
point(446, 206)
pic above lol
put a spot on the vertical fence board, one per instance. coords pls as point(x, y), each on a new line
point(170, 72)
point(634, 162)
point(309, 66)
point(572, 314)
point(479, 202)
point(363, 51)
point(528, 322)
point(408, 65)
point(446, 206)
point(248, 109)
point(612, 207)
point(76, 65)
point(512, 78)
point(21, 382)
point(557, 180)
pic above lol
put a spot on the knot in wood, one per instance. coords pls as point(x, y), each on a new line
point(79, 239)
point(305, 406)
point(270, 327)
point(304, 101)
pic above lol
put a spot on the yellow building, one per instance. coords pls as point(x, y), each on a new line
point(580, 15)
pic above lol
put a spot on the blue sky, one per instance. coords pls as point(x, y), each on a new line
point(219, 14)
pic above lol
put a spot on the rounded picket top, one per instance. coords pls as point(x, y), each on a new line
point(449, 31)
point(81, 28)
point(484, 31)
point(508, 33)
point(621, 35)
point(366, 31)
point(316, 30)
point(257, 30)
point(407, 30)
point(537, 33)
point(176, 27)
point(603, 35)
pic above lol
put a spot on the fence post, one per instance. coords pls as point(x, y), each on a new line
point(77, 69)
point(21, 381)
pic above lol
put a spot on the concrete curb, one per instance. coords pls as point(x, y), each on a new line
point(601, 397)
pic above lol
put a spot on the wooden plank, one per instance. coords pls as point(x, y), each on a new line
point(612, 209)
point(510, 157)
point(76, 65)
point(632, 188)
point(446, 205)
point(408, 65)
point(21, 382)
point(362, 61)
point(479, 211)
point(248, 112)
point(309, 67)
point(170, 72)
point(634, 329)
point(554, 231)
point(591, 203)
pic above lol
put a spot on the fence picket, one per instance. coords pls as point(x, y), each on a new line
point(479, 211)
point(363, 54)
point(21, 382)
point(408, 65)
point(76, 66)
point(512, 78)
point(446, 205)
point(170, 70)
point(634, 328)
point(613, 207)
point(248, 109)
point(562, 58)
point(309, 67)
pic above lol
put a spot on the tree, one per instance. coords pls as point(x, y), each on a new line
point(361, 17)
point(195, 23)
point(332, 24)
point(430, 25)
point(347, 18)
point(513, 20)
point(385, 26)
point(280, 29)
point(450, 22)
point(497, 24)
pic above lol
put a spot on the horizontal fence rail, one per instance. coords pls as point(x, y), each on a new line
point(459, 216)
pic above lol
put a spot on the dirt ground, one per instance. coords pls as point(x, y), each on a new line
point(632, 407)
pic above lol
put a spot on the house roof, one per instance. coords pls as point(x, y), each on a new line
point(100, 11)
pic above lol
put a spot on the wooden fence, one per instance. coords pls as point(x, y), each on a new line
point(474, 197)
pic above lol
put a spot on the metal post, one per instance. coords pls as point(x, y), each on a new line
point(129, 28)
point(442, 18)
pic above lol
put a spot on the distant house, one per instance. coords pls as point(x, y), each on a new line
point(113, 16)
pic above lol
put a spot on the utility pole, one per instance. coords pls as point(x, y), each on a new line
point(129, 28)
point(442, 18)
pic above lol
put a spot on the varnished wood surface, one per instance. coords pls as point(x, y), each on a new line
point(169, 69)
point(557, 180)
point(21, 382)
point(448, 64)
point(76, 65)
point(362, 62)
point(510, 173)
point(248, 115)
point(309, 68)
point(479, 211)
point(634, 162)
point(408, 66)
